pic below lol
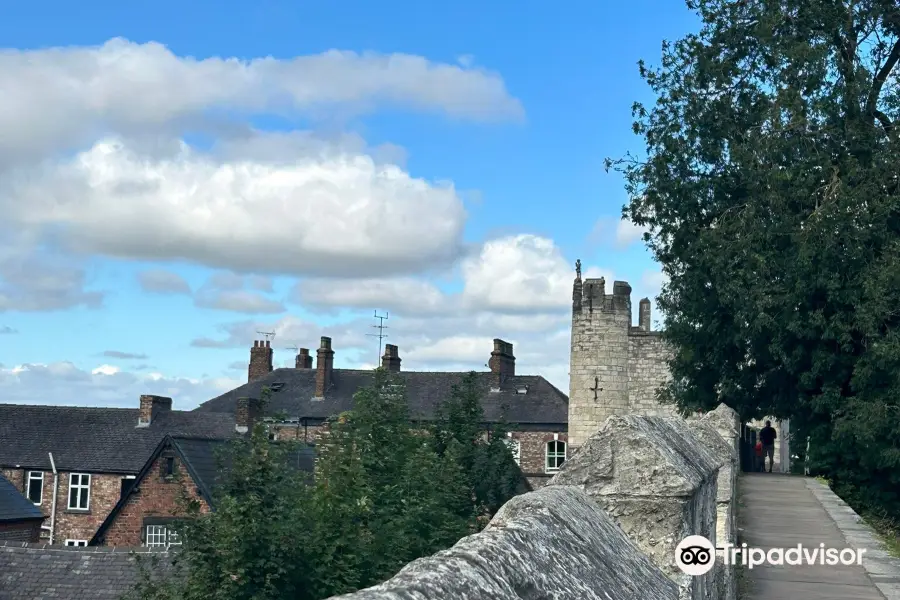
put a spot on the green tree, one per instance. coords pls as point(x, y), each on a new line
point(384, 497)
point(254, 546)
point(770, 192)
point(493, 476)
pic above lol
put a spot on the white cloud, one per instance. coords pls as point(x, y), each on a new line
point(224, 291)
point(63, 383)
point(160, 281)
point(403, 295)
point(523, 272)
point(627, 233)
point(514, 274)
point(619, 233)
point(343, 215)
point(56, 97)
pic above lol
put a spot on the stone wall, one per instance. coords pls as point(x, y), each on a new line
point(615, 368)
point(606, 526)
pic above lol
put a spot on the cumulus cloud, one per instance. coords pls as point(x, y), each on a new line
point(520, 273)
point(619, 233)
point(35, 281)
point(56, 97)
point(342, 215)
point(226, 291)
point(64, 383)
point(403, 295)
point(124, 355)
point(160, 281)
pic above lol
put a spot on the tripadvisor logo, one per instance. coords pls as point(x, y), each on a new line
point(695, 555)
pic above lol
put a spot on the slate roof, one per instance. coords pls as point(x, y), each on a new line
point(207, 466)
point(542, 404)
point(14, 506)
point(43, 572)
point(98, 440)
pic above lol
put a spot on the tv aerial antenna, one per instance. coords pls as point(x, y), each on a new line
point(381, 334)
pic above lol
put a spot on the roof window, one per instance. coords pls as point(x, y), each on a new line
point(276, 386)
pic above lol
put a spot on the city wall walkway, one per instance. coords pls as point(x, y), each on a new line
point(781, 511)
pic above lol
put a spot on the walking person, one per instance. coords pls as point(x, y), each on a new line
point(767, 436)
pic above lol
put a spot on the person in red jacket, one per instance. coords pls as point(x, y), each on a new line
point(760, 464)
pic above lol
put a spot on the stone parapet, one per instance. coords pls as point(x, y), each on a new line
point(552, 543)
point(606, 526)
point(658, 481)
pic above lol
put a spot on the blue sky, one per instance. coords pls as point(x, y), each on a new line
point(442, 163)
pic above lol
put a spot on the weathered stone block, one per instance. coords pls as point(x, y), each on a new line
point(711, 429)
point(658, 481)
point(553, 543)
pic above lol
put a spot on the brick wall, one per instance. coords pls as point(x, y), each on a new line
point(28, 531)
point(533, 454)
point(73, 524)
point(157, 496)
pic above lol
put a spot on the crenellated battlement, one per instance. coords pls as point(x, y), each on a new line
point(615, 367)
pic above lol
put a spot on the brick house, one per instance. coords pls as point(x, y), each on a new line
point(180, 469)
point(20, 520)
point(75, 463)
point(536, 413)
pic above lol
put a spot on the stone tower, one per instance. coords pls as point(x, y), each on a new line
point(615, 368)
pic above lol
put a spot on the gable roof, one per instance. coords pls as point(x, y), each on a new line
point(14, 506)
point(42, 572)
point(205, 465)
point(98, 440)
point(541, 404)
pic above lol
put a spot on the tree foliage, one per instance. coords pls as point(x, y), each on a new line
point(771, 196)
point(384, 494)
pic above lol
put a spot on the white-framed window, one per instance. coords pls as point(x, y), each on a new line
point(515, 448)
point(35, 490)
point(556, 455)
point(79, 491)
point(161, 536)
point(76, 542)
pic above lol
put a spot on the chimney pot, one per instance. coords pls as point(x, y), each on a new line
point(303, 360)
point(391, 359)
point(260, 360)
point(248, 411)
point(502, 363)
point(152, 407)
point(324, 366)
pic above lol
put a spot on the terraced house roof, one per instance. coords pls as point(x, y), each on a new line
point(100, 440)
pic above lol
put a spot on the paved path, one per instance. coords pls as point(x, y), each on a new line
point(781, 511)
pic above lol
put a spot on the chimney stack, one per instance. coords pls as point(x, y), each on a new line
point(391, 359)
point(249, 410)
point(151, 408)
point(502, 363)
point(644, 314)
point(324, 366)
point(260, 360)
point(304, 360)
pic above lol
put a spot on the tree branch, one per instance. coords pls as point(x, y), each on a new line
point(885, 121)
point(880, 78)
